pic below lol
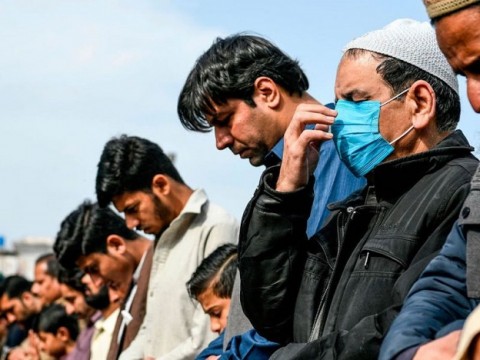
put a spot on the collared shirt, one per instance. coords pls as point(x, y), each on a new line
point(84, 339)
point(102, 336)
point(175, 326)
point(125, 312)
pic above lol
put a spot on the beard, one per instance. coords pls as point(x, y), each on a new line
point(100, 300)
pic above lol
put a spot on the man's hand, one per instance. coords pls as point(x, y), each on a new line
point(439, 349)
point(301, 147)
point(17, 354)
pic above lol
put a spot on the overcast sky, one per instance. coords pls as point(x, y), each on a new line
point(76, 73)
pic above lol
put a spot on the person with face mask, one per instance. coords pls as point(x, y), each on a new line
point(334, 296)
point(431, 323)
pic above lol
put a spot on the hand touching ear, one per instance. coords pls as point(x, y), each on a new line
point(301, 147)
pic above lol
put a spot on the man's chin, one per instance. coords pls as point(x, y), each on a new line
point(255, 161)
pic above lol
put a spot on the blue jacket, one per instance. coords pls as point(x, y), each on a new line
point(437, 299)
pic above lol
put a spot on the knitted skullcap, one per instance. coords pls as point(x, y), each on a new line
point(410, 41)
point(436, 8)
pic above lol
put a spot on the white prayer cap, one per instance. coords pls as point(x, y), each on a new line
point(410, 41)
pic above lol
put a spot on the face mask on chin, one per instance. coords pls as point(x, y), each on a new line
point(357, 137)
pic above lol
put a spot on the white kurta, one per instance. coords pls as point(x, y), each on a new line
point(175, 326)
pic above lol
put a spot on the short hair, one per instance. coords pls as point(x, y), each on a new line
point(129, 163)
point(217, 271)
point(228, 70)
point(53, 317)
point(85, 230)
point(399, 75)
point(52, 264)
point(15, 286)
point(72, 278)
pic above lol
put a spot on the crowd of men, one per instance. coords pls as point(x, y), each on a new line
point(362, 239)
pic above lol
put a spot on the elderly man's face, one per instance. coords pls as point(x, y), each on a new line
point(45, 286)
point(357, 80)
point(458, 36)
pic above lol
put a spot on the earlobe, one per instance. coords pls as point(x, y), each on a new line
point(266, 90)
point(423, 100)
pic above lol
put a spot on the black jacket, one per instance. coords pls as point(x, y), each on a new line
point(341, 290)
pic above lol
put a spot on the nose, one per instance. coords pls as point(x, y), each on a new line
point(131, 222)
point(35, 289)
point(215, 325)
point(85, 279)
point(473, 91)
point(223, 137)
point(11, 318)
point(97, 280)
point(69, 308)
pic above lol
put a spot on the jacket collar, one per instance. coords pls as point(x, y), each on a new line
point(393, 178)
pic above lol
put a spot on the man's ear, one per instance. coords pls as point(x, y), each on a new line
point(116, 245)
point(266, 91)
point(422, 100)
point(63, 334)
point(161, 184)
point(27, 298)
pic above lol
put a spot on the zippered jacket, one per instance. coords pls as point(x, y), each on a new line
point(334, 296)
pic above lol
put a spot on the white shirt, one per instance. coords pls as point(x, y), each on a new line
point(102, 336)
point(175, 326)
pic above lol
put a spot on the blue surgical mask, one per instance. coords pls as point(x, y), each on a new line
point(357, 136)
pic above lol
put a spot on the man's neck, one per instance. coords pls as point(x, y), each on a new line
point(138, 248)
point(179, 196)
point(109, 309)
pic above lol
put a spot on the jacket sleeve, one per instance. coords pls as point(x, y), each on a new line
point(272, 253)
point(437, 299)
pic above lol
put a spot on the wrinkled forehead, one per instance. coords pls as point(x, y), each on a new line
point(458, 36)
point(358, 74)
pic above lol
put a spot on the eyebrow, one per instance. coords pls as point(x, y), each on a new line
point(474, 66)
point(354, 93)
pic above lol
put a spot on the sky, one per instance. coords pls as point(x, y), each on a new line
point(76, 73)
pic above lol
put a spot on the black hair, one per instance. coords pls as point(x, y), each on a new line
point(72, 278)
point(53, 317)
point(85, 230)
point(228, 70)
point(15, 285)
point(129, 163)
point(399, 75)
point(52, 264)
point(216, 271)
